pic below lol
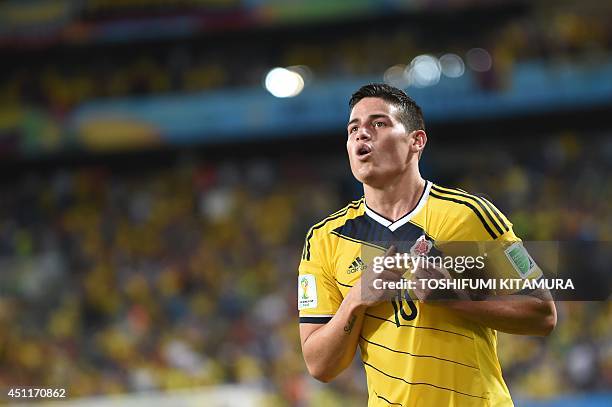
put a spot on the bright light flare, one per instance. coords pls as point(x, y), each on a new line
point(452, 65)
point(479, 60)
point(424, 70)
point(284, 83)
point(395, 76)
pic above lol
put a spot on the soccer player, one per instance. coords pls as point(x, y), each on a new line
point(415, 351)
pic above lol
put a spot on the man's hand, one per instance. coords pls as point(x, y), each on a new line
point(425, 293)
point(533, 314)
point(365, 292)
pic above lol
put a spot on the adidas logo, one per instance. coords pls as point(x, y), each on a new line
point(356, 265)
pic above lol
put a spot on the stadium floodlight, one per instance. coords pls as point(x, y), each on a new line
point(479, 60)
point(396, 76)
point(284, 83)
point(304, 71)
point(424, 70)
point(452, 65)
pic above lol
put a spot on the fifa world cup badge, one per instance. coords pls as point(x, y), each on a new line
point(307, 292)
point(304, 284)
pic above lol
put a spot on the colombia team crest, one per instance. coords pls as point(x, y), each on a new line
point(421, 247)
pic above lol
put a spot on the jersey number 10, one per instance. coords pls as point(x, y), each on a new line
point(404, 307)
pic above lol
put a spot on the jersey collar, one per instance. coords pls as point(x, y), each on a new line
point(393, 226)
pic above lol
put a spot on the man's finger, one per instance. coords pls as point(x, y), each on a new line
point(390, 275)
point(391, 251)
point(421, 272)
point(442, 270)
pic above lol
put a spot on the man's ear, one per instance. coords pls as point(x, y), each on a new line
point(419, 140)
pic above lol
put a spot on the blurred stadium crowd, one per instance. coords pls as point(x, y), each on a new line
point(120, 278)
point(58, 79)
point(177, 276)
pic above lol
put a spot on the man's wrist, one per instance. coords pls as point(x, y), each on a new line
point(355, 302)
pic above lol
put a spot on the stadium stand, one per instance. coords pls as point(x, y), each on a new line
point(171, 269)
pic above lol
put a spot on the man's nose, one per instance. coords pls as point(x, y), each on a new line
point(362, 134)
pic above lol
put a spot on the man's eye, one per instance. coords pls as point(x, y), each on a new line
point(379, 124)
point(353, 129)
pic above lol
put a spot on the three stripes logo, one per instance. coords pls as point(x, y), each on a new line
point(356, 265)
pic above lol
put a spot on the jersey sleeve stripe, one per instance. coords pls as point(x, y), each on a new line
point(315, 320)
point(352, 204)
point(355, 202)
point(489, 205)
point(469, 205)
point(497, 213)
point(422, 383)
point(476, 199)
point(419, 356)
point(335, 215)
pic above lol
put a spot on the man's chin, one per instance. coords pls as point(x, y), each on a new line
point(368, 177)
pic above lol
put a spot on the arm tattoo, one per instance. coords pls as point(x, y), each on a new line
point(349, 325)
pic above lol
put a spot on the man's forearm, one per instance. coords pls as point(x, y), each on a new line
point(331, 348)
point(515, 314)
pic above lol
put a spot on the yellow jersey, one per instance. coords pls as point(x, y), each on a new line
point(414, 354)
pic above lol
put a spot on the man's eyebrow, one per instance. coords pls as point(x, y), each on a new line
point(371, 117)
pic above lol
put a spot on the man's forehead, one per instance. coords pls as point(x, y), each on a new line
point(372, 106)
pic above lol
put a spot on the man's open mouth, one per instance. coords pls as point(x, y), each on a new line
point(363, 150)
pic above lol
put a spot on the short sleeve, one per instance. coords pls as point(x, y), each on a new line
point(318, 295)
point(506, 258)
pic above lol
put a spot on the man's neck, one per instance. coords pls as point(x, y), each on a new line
point(396, 198)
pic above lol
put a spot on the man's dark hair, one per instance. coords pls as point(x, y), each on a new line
point(410, 113)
